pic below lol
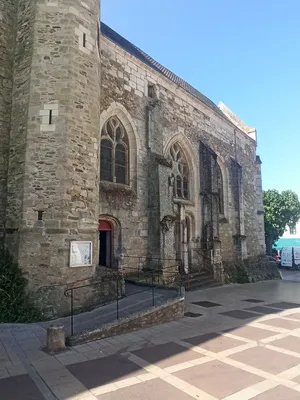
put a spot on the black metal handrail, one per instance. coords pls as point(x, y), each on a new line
point(69, 292)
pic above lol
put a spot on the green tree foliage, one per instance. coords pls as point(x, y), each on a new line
point(281, 209)
point(15, 304)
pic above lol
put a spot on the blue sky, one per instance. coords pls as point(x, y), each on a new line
point(245, 53)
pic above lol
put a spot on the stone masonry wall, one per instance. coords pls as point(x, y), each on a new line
point(54, 160)
point(186, 119)
point(19, 120)
point(7, 45)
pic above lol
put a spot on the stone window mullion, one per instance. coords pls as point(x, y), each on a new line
point(114, 132)
point(114, 162)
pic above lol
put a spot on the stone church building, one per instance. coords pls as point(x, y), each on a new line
point(102, 146)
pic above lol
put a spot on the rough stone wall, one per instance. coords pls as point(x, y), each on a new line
point(7, 44)
point(19, 119)
point(170, 311)
point(129, 205)
point(54, 159)
point(260, 206)
point(184, 118)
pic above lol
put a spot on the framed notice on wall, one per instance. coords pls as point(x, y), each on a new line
point(81, 254)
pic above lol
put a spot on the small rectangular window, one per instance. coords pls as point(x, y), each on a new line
point(40, 215)
point(84, 40)
point(151, 91)
point(50, 117)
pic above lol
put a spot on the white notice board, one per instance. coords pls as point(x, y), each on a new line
point(81, 254)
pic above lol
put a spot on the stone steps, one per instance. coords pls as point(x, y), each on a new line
point(200, 280)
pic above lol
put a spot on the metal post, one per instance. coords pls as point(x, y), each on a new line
point(153, 295)
point(72, 312)
point(117, 296)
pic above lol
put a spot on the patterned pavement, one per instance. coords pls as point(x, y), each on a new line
point(236, 343)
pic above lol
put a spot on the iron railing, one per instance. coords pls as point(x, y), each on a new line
point(149, 279)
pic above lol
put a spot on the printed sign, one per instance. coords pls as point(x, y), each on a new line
point(81, 254)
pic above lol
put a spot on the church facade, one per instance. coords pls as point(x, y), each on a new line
point(104, 147)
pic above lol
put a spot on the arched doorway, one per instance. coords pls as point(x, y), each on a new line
point(105, 243)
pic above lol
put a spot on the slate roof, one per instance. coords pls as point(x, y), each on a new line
point(146, 59)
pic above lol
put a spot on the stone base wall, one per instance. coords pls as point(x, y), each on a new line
point(254, 269)
point(171, 311)
point(87, 294)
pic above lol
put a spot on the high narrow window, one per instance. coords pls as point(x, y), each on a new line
point(220, 190)
point(84, 40)
point(151, 90)
point(114, 152)
point(50, 117)
point(180, 173)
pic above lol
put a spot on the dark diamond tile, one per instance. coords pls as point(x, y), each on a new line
point(263, 310)
point(99, 372)
point(206, 304)
point(253, 301)
point(198, 340)
point(166, 355)
point(240, 314)
point(284, 305)
point(192, 315)
point(19, 387)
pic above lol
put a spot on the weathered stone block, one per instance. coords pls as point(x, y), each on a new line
point(55, 339)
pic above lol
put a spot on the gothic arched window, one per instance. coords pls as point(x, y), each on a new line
point(180, 173)
point(114, 159)
point(220, 190)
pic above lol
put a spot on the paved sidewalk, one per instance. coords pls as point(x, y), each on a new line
point(236, 343)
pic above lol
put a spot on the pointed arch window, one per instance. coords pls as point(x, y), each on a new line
point(180, 173)
point(114, 156)
point(220, 190)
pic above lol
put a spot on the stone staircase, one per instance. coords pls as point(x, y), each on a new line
point(200, 280)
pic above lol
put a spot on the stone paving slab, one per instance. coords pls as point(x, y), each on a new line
point(166, 355)
point(239, 314)
point(106, 370)
point(266, 360)
point(215, 357)
point(279, 393)
point(284, 305)
point(263, 310)
point(152, 390)
point(218, 379)
point(250, 332)
point(19, 387)
point(214, 342)
point(253, 301)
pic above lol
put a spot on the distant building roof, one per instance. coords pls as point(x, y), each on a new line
point(146, 59)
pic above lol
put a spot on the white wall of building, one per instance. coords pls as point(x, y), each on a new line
point(292, 232)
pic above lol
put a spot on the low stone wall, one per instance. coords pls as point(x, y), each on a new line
point(252, 269)
point(169, 311)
